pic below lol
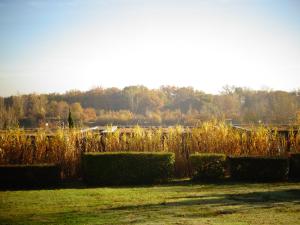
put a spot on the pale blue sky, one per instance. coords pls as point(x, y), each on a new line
point(54, 46)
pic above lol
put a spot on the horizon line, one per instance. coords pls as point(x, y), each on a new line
point(266, 89)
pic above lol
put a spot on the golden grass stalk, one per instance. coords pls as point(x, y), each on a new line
point(65, 147)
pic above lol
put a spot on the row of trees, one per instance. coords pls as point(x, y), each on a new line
point(138, 104)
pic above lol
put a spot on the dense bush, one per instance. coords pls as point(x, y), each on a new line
point(294, 165)
point(117, 168)
point(22, 176)
point(208, 166)
point(259, 168)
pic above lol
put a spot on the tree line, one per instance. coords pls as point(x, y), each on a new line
point(167, 105)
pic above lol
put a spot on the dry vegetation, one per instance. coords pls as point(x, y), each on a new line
point(66, 146)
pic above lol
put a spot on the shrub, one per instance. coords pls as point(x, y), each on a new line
point(22, 176)
point(294, 165)
point(208, 166)
point(117, 168)
point(259, 168)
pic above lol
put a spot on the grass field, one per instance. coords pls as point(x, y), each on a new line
point(178, 203)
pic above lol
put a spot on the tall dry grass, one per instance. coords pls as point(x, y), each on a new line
point(295, 140)
point(65, 147)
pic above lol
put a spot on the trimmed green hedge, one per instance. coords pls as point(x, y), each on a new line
point(208, 166)
point(23, 176)
point(118, 168)
point(294, 165)
point(259, 168)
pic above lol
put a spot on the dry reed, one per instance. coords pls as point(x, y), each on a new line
point(65, 147)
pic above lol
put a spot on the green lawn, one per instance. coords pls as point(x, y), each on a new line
point(181, 203)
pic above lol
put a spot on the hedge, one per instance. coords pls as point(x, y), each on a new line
point(294, 165)
point(23, 176)
point(259, 168)
point(118, 168)
point(208, 166)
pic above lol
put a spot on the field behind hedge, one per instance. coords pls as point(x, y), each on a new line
point(65, 147)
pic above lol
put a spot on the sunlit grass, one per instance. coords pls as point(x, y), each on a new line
point(231, 203)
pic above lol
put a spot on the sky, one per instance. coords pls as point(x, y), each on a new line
point(57, 45)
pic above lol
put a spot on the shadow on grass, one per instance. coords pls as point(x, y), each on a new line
point(80, 184)
point(184, 182)
point(262, 199)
